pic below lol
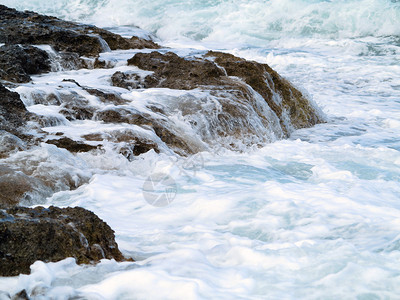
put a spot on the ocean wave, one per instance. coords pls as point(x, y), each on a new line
point(241, 21)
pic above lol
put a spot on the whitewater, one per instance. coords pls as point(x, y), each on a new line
point(314, 216)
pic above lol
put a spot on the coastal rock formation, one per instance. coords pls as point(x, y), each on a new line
point(52, 234)
point(13, 113)
point(160, 101)
point(62, 35)
point(284, 99)
point(34, 29)
point(18, 62)
point(175, 72)
point(218, 71)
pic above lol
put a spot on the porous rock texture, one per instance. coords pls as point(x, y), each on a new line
point(34, 29)
point(52, 234)
point(217, 70)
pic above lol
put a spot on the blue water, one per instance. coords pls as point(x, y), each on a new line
point(316, 216)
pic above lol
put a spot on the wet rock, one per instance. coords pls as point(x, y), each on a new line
point(75, 106)
point(175, 72)
point(268, 83)
point(16, 187)
point(22, 295)
point(71, 145)
point(136, 146)
point(17, 62)
point(222, 73)
point(106, 97)
point(13, 113)
point(129, 81)
point(29, 177)
point(31, 28)
point(127, 142)
point(115, 41)
point(160, 126)
point(77, 111)
point(52, 234)
point(10, 143)
point(48, 121)
point(123, 115)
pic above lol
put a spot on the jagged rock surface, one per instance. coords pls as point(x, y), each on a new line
point(13, 113)
point(172, 71)
point(20, 30)
point(31, 28)
point(17, 62)
point(268, 83)
point(52, 234)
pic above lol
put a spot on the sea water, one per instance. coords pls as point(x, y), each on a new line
point(315, 216)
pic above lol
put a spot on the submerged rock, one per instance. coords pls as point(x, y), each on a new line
point(52, 234)
point(71, 145)
point(129, 81)
point(16, 187)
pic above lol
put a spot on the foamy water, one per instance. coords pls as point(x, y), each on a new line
point(316, 216)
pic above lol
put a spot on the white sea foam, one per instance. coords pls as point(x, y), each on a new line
point(312, 217)
point(233, 21)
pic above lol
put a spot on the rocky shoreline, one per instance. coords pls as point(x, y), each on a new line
point(252, 102)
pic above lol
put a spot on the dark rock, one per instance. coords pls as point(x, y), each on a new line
point(129, 81)
point(71, 145)
point(52, 234)
point(18, 62)
point(128, 143)
point(77, 109)
point(175, 72)
point(138, 43)
point(123, 115)
point(99, 64)
point(22, 295)
point(71, 80)
point(106, 97)
point(13, 113)
point(160, 126)
point(135, 146)
point(31, 28)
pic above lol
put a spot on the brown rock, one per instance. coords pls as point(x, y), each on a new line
point(52, 234)
point(172, 71)
point(71, 145)
point(31, 28)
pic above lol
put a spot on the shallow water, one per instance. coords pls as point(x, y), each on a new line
point(315, 216)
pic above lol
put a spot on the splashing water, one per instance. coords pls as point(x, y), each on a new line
point(315, 216)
